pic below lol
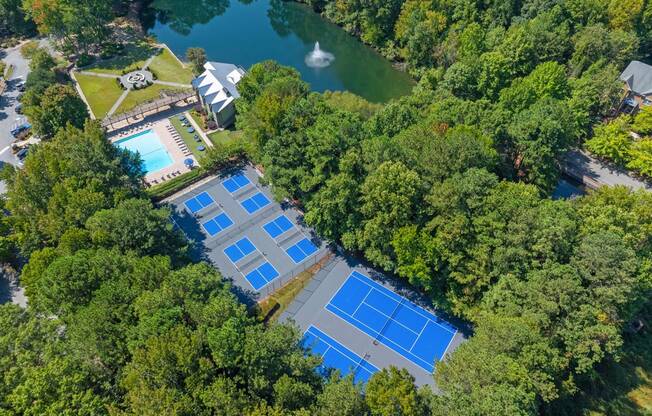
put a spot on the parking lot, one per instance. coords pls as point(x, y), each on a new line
point(236, 225)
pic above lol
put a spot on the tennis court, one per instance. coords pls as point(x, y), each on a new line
point(199, 202)
point(217, 224)
point(300, 251)
point(337, 356)
point(278, 226)
point(235, 182)
point(392, 320)
point(262, 275)
point(239, 250)
point(255, 202)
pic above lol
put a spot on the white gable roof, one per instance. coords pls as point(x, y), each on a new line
point(217, 84)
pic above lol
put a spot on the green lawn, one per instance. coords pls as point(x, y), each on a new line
point(101, 93)
point(131, 57)
point(226, 136)
point(188, 138)
point(168, 68)
point(137, 97)
point(198, 119)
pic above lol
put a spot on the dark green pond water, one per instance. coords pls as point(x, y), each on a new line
point(245, 32)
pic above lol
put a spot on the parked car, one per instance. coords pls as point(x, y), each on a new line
point(21, 86)
point(22, 153)
point(20, 129)
point(19, 108)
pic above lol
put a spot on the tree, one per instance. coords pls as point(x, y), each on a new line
point(643, 121)
point(389, 200)
point(64, 182)
point(13, 20)
point(41, 59)
point(640, 155)
point(612, 141)
point(134, 225)
point(341, 397)
point(197, 57)
point(392, 392)
point(541, 134)
point(59, 106)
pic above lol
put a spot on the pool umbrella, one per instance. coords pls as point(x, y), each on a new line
point(189, 162)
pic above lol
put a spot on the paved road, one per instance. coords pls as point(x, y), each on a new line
point(10, 291)
point(8, 116)
point(594, 173)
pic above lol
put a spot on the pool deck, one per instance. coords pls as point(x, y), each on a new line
point(160, 127)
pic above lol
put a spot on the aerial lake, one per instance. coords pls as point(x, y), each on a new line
point(245, 32)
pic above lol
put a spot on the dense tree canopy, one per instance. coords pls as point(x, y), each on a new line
point(447, 188)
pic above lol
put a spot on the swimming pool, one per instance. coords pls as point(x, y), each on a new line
point(148, 145)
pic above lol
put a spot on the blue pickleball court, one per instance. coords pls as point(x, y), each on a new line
point(235, 182)
point(239, 250)
point(255, 202)
point(300, 251)
point(278, 226)
point(217, 224)
point(394, 321)
point(262, 275)
point(198, 202)
point(337, 356)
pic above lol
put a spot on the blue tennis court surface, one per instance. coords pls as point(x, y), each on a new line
point(235, 182)
point(262, 275)
point(199, 202)
point(278, 226)
point(217, 224)
point(337, 356)
point(255, 203)
point(406, 328)
point(239, 250)
point(299, 251)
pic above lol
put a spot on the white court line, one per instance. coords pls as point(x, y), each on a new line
point(341, 352)
point(363, 299)
point(449, 344)
point(404, 298)
point(376, 332)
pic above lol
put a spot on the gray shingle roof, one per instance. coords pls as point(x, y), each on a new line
point(638, 77)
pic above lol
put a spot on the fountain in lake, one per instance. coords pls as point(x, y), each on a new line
point(318, 58)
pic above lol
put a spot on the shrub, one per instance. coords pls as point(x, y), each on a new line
point(28, 49)
point(168, 188)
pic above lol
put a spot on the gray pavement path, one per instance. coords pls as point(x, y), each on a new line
point(98, 74)
point(594, 173)
point(117, 103)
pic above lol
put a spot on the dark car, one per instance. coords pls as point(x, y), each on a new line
point(19, 108)
point(18, 130)
point(22, 153)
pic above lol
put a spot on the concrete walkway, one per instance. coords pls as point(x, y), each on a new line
point(117, 103)
point(594, 173)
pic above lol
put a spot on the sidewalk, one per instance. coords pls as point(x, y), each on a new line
point(594, 173)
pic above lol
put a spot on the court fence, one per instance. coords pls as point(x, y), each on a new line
point(273, 292)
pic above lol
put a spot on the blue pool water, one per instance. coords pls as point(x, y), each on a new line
point(148, 145)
